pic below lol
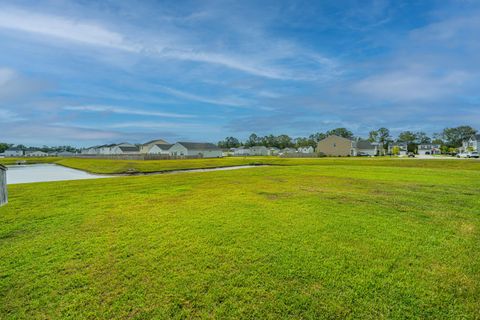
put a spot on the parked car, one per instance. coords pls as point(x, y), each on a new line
point(411, 155)
point(362, 154)
point(473, 154)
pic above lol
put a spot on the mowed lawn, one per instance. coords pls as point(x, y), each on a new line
point(338, 240)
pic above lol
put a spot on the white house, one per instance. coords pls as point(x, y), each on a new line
point(147, 146)
point(241, 151)
point(289, 151)
point(14, 152)
point(308, 149)
point(90, 151)
point(204, 150)
point(36, 153)
point(258, 151)
point(124, 148)
point(65, 154)
point(273, 151)
point(472, 144)
point(364, 147)
point(428, 149)
point(160, 149)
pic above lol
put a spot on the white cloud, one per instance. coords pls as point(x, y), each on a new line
point(8, 116)
point(155, 125)
point(411, 85)
point(122, 110)
point(63, 28)
point(14, 86)
point(230, 101)
point(177, 46)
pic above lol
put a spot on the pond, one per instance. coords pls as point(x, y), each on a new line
point(45, 172)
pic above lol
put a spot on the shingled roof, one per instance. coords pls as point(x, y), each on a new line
point(129, 149)
point(156, 141)
point(164, 146)
point(3, 167)
point(364, 144)
point(199, 146)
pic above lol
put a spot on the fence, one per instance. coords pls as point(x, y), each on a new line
point(302, 155)
point(135, 156)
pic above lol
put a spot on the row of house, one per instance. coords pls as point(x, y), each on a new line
point(267, 151)
point(338, 146)
point(158, 147)
point(422, 149)
point(18, 152)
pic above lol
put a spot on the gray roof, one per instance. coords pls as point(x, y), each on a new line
point(3, 167)
point(129, 149)
point(364, 144)
point(157, 142)
point(164, 146)
point(476, 136)
point(14, 149)
point(199, 145)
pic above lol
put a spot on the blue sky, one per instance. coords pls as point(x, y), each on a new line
point(89, 72)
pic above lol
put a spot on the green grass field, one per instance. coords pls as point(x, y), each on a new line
point(310, 238)
point(105, 166)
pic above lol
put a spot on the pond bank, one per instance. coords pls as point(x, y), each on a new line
point(52, 172)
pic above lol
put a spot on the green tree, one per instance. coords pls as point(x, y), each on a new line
point(373, 136)
point(407, 136)
point(253, 140)
point(437, 139)
point(421, 137)
point(455, 136)
point(284, 141)
point(342, 132)
point(229, 142)
point(317, 136)
point(4, 146)
point(396, 150)
point(305, 142)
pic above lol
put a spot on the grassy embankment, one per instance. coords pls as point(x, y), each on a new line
point(360, 238)
point(106, 166)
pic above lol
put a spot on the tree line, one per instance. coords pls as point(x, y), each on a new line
point(448, 138)
point(5, 146)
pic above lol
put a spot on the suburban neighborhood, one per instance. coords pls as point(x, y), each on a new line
point(335, 143)
point(240, 159)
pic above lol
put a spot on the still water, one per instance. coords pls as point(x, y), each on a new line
point(45, 172)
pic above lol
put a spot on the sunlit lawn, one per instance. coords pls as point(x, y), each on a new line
point(345, 239)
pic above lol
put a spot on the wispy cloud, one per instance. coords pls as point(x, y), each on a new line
point(156, 125)
point(229, 101)
point(130, 111)
point(63, 28)
point(176, 47)
point(411, 85)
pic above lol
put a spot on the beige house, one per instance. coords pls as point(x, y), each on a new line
point(145, 148)
point(336, 146)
